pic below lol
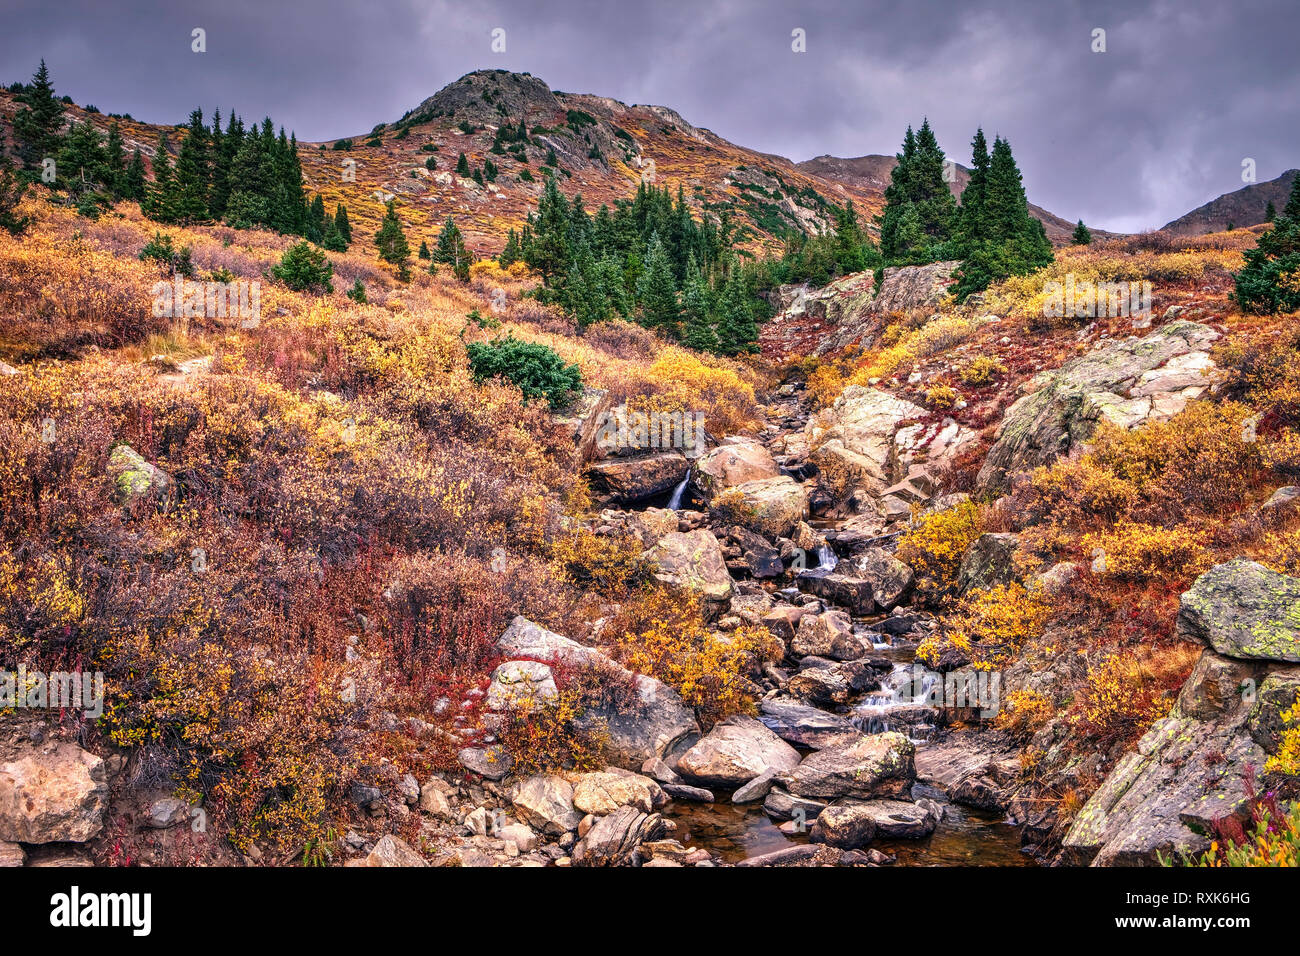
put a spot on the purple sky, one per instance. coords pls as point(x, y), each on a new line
point(1126, 139)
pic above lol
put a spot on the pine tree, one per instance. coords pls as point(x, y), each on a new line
point(450, 249)
point(158, 201)
point(1270, 212)
point(1082, 236)
point(929, 191)
point(315, 226)
point(698, 333)
point(82, 162)
point(548, 251)
point(462, 167)
point(12, 190)
point(971, 226)
point(1292, 208)
point(115, 161)
point(188, 200)
point(512, 252)
point(656, 292)
point(341, 223)
point(224, 153)
point(133, 182)
point(737, 332)
point(391, 241)
point(424, 250)
point(38, 124)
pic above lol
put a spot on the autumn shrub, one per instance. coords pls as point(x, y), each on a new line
point(941, 396)
point(990, 626)
point(558, 734)
point(664, 635)
point(1141, 552)
point(611, 565)
point(1023, 713)
point(1269, 835)
point(1127, 691)
point(934, 546)
point(981, 371)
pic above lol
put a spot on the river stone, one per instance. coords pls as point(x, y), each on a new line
point(632, 479)
point(827, 635)
point(901, 819)
point(734, 463)
point(844, 824)
point(890, 579)
point(756, 789)
point(875, 765)
point(802, 725)
point(844, 589)
point(1062, 407)
point(613, 839)
point(783, 620)
point(56, 795)
point(773, 507)
point(605, 791)
point(987, 562)
point(782, 805)
point(736, 751)
point(801, 854)
point(832, 683)
point(11, 854)
point(521, 684)
point(687, 793)
point(545, 803)
point(1242, 609)
point(693, 561)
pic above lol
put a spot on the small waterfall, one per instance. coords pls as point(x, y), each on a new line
point(826, 559)
point(906, 688)
point(675, 502)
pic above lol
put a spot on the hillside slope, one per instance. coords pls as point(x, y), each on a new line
point(1241, 207)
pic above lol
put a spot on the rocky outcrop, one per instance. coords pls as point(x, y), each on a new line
point(1192, 767)
point(53, 795)
point(772, 507)
point(614, 839)
point(857, 313)
point(521, 684)
point(545, 803)
point(987, 562)
point(803, 725)
point(633, 479)
point(693, 561)
point(1127, 382)
point(583, 418)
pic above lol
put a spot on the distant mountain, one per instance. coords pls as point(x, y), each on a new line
point(871, 174)
point(1242, 207)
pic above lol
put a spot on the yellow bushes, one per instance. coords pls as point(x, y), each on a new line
point(666, 637)
point(1127, 691)
point(934, 547)
point(937, 335)
point(981, 371)
point(554, 736)
point(990, 626)
point(1023, 713)
point(941, 396)
point(1287, 758)
point(1142, 552)
point(612, 565)
point(684, 381)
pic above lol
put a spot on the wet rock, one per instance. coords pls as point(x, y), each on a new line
point(688, 794)
point(877, 765)
point(54, 795)
point(832, 683)
point(803, 725)
point(902, 819)
point(828, 635)
point(844, 824)
point(782, 805)
point(735, 752)
point(756, 789)
point(633, 479)
point(844, 590)
point(890, 579)
point(801, 854)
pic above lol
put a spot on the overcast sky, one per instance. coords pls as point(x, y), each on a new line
point(1126, 139)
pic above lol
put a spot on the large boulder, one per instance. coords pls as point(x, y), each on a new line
point(735, 462)
point(803, 725)
point(735, 752)
point(875, 765)
point(583, 417)
point(605, 791)
point(54, 795)
point(856, 309)
point(1244, 610)
point(694, 562)
point(521, 685)
point(844, 589)
point(828, 635)
point(545, 803)
point(613, 839)
point(1128, 382)
point(853, 440)
point(633, 479)
point(641, 725)
point(890, 579)
point(392, 852)
point(773, 507)
point(988, 562)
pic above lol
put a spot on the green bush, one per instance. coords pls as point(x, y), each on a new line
point(1270, 281)
point(536, 369)
point(304, 269)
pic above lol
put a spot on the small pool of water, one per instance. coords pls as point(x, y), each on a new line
point(965, 837)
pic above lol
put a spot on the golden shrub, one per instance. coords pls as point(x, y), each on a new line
point(934, 547)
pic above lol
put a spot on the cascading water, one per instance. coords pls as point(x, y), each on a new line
point(902, 703)
point(826, 558)
point(675, 502)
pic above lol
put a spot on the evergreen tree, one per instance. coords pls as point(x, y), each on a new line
point(424, 250)
point(462, 167)
point(224, 165)
point(1292, 208)
point(158, 201)
point(133, 182)
point(934, 203)
point(12, 190)
point(971, 227)
point(82, 162)
point(548, 251)
point(656, 292)
point(341, 223)
point(697, 310)
point(189, 197)
point(512, 252)
point(450, 249)
point(315, 229)
point(38, 124)
point(1082, 236)
point(917, 183)
point(391, 241)
point(737, 331)
point(1270, 212)
point(115, 161)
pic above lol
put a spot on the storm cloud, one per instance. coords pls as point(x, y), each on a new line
point(1159, 123)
